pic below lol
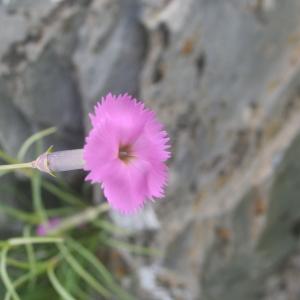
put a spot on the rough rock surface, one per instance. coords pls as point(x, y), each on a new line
point(224, 76)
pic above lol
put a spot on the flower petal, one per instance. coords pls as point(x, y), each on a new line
point(124, 114)
point(118, 122)
point(126, 186)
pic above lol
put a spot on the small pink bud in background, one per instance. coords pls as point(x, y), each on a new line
point(44, 228)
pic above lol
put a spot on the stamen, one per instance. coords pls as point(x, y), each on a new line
point(125, 153)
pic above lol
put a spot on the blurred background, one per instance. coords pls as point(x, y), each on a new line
point(224, 76)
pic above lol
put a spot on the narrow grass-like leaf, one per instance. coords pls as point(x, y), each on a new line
point(36, 189)
point(20, 281)
point(84, 216)
point(130, 247)
point(36, 181)
point(80, 294)
point(11, 160)
point(72, 282)
point(57, 286)
point(19, 214)
point(26, 277)
point(7, 158)
point(32, 139)
point(103, 272)
point(92, 259)
point(109, 227)
point(60, 211)
point(6, 280)
point(30, 255)
point(62, 195)
point(18, 264)
point(82, 272)
point(71, 278)
point(33, 240)
point(24, 265)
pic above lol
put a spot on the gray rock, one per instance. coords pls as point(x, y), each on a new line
point(224, 77)
point(14, 126)
point(111, 50)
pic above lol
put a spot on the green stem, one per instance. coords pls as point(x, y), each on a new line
point(36, 182)
point(5, 277)
point(33, 240)
point(16, 166)
point(86, 216)
point(31, 256)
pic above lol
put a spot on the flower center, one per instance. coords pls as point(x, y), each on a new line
point(125, 153)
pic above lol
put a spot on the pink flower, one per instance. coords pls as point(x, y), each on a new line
point(126, 152)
